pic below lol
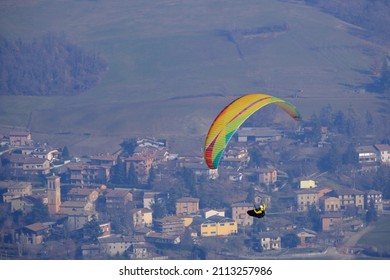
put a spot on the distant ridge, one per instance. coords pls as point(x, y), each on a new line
point(211, 94)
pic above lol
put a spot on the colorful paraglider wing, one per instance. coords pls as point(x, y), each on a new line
point(231, 118)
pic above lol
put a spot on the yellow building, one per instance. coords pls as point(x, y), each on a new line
point(218, 226)
point(187, 220)
point(307, 184)
point(142, 217)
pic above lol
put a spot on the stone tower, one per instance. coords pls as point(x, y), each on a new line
point(54, 194)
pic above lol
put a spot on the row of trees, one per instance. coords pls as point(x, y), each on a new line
point(50, 65)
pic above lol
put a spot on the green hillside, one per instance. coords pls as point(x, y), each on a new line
point(212, 51)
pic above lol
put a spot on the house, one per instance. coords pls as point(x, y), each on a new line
point(116, 244)
point(149, 198)
point(140, 251)
point(103, 159)
point(195, 162)
point(4, 140)
point(258, 134)
point(349, 197)
point(376, 197)
point(142, 164)
point(270, 240)
point(234, 176)
point(105, 229)
point(118, 200)
point(207, 212)
point(90, 251)
point(46, 152)
point(198, 166)
point(16, 189)
point(28, 165)
point(306, 198)
point(162, 238)
point(25, 203)
point(331, 221)
point(20, 138)
point(78, 213)
point(367, 154)
point(384, 153)
point(330, 204)
point(218, 226)
point(187, 205)
point(239, 213)
point(83, 194)
point(187, 220)
point(32, 234)
point(235, 157)
point(83, 174)
point(261, 197)
point(151, 142)
point(142, 217)
point(307, 184)
point(171, 225)
point(306, 236)
point(267, 176)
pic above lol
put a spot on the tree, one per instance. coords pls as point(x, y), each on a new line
point(314, 218)
point(331, 161)
point(159, 210)
point(256, 157)
point(315, 122)
point(92, 230)
point(350, 156)
point(65, 153)
point(152, 176)
point(381, 181)
point(119, 172)
point(258, 226)
point(290, 240)
point(49, 65)
point(251, 194)
point(371, 214)
point(199, 253)
point(39, 213)
point(173, 195)
point(339, 121)
point(129, 146)
point(132, 177)
point(189, 179)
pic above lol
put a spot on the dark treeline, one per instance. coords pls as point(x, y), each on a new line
point(47, 66)
point(370, 14)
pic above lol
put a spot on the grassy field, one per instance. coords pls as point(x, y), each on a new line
point(159, 50)
point(379, 237)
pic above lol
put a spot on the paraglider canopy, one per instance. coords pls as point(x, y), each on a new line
point(230, 119)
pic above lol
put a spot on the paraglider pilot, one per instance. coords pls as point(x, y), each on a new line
point(257, 212)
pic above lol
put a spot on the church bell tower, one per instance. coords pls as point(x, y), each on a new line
point(54, 194)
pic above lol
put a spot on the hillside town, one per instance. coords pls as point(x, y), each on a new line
point(148, 202)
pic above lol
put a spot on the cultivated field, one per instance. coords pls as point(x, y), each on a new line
point(160, 52)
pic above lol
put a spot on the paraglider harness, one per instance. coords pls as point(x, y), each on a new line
point(257, 212)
